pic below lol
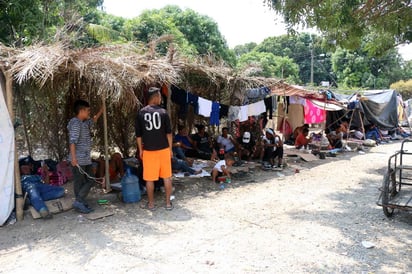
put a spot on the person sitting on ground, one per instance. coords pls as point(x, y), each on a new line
point(202, 143)
point(183, 144)
point(299, 130)
point(116, 167)
point(226, 141)
point(302, 141)
point(179, 165)
point(343, 128)
point(400, 131)
point(373, 133)
point(335, 140)
point(222, 168)
point(273, 148)
point(246, 146)
point(38, 192)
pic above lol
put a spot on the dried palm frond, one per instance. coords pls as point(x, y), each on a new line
point(116, 72)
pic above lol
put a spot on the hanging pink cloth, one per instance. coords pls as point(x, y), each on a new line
point(313, 114)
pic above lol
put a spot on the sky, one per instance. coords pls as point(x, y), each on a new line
point(240, 21)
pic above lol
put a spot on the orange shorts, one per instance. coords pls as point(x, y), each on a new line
point(157, 164)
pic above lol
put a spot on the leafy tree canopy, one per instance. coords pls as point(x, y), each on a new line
point(266, 64)
point(25, 21)
point(382, 24)
point(194, 33)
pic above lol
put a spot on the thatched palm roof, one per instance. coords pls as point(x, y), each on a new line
point(112, 71)
point(117, 71)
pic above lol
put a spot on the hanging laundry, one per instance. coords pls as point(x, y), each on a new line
point(313, 114)
point(180, 97)
point(256, 108)
point(224, 111)
point(214, 115)
point(243, 113)
point(252, 95)
point(233, 113)
point(205, 107)
point(194, 101)
point(269, 106)
point(297, 100)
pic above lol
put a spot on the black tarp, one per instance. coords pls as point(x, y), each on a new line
point(376, 108)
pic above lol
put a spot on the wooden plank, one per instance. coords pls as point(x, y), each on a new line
point(308, 157)
point(54, 206)
point(98, 215)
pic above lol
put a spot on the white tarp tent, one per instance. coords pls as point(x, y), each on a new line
point(6, 161)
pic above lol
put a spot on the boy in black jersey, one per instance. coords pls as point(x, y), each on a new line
point(154, 141)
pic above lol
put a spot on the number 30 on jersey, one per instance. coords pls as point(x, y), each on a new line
point(152, 120)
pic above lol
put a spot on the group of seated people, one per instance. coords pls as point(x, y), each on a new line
point(336, 133)
point(265, 148)
point(225, 150)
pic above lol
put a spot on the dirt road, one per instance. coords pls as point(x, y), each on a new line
point(310, 222)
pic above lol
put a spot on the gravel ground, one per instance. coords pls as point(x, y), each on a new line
point(313, 221)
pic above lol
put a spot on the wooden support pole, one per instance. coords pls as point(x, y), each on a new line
point(106, 146)
point(17, 184)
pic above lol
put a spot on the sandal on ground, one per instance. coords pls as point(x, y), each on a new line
point(169, 207)
point(146, 206)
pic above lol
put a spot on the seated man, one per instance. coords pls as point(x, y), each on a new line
point(246, 146)
point(273, 148)
point(183, 144)
point(179, 165)
point(302, 141)
point(226, 141)
point(373, 133)
point(202, 143)
point(116, 167)
point(38, 192)
point(335, 139)
point(343, 129)
point(400, 131)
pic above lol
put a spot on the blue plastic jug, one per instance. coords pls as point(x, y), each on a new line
point(130, 188)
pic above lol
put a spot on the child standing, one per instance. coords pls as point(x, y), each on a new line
point(222, 168)
point(80, 148)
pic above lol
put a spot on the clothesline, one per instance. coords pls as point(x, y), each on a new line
point(262, 104)
point(216, 111)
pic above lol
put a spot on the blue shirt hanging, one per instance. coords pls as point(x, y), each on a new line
point(214, 114)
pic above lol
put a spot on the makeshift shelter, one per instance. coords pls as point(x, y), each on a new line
point(374, 107)
point(119, 75)
point(111, 73)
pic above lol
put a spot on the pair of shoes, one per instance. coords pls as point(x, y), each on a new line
point(146, 206)
point(45, 214)
point(88, 207)
point(169, 207)
point(80, 207)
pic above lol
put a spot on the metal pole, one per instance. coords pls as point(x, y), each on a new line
point(106, 145)
point(311, 65)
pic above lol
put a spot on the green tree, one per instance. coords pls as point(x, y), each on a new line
point(243, 49)
point(403, 87)
point(203, 33)
point(382, 24)
point(299, 48)
point(268, 65)
point(358, 69)
point(153, 24)
point(25, 21)
point(193, 33)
